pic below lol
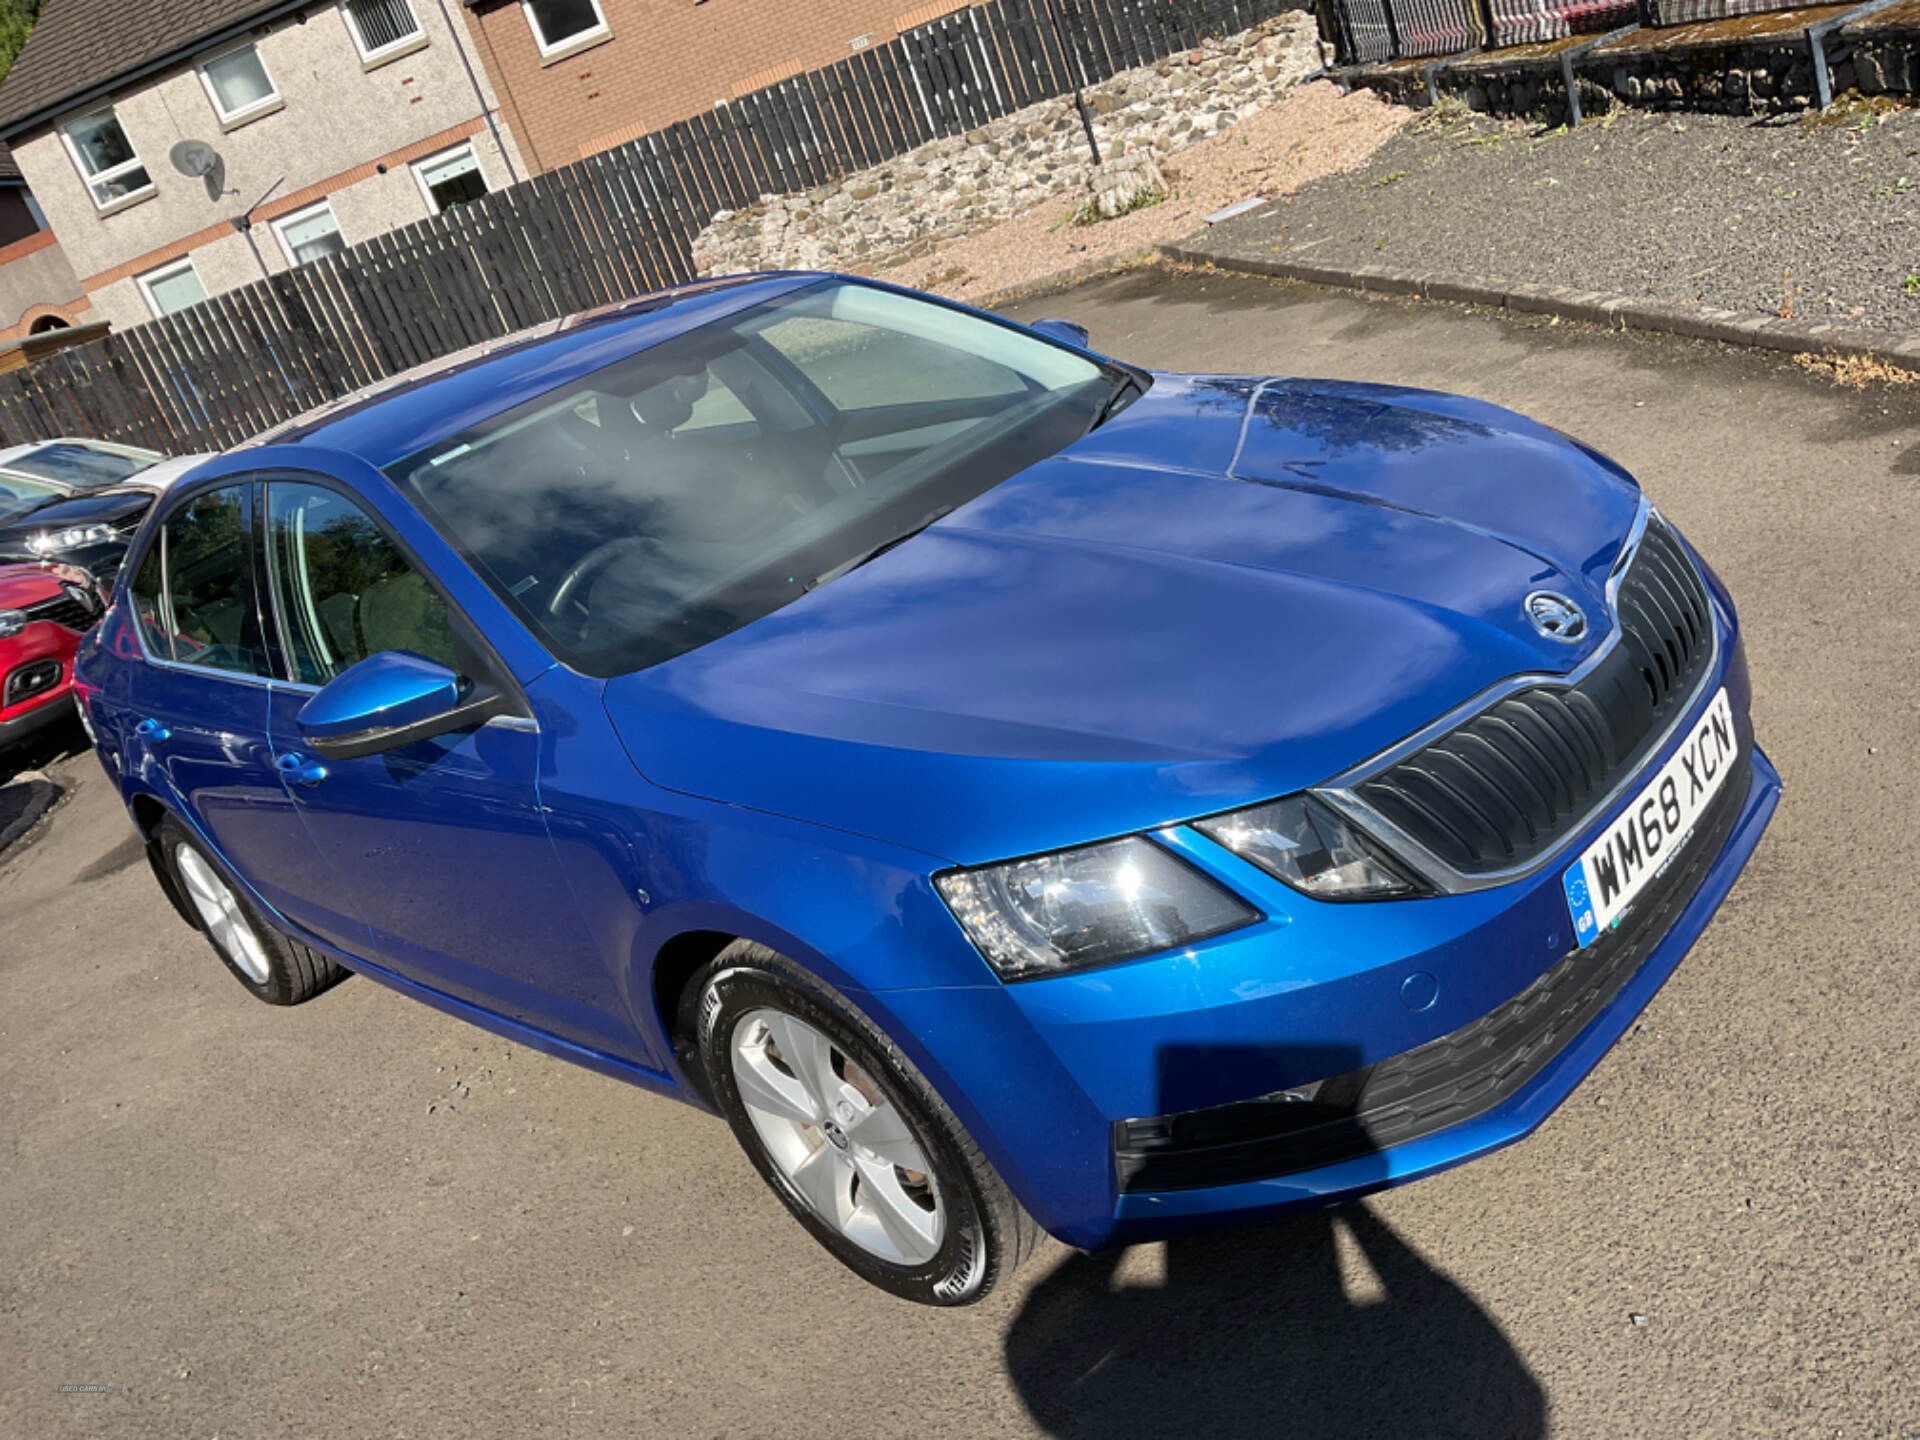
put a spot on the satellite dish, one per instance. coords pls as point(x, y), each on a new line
point(197, 158)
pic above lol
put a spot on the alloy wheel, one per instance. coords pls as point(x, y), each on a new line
point(220, 912)
point(844, 1147)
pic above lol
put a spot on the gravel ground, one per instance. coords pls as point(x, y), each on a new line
point(1314, 132)
point(1816, 218)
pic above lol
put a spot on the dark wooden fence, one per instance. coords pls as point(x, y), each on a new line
point(611, 226)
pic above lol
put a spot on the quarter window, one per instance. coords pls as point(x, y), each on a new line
point(173, 287)
point(451, 179)
point(238, 84)
point(193, 594)
point(558, 24)
point(341, 587)
point(381, 27)
point(106, 158)
point(308, 235)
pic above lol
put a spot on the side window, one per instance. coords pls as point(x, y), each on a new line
point(194, 591)
point(148, 598)
point(342, 589)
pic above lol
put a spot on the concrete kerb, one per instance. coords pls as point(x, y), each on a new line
point(1618, 312)
point(24, 803)
point(1058, 280)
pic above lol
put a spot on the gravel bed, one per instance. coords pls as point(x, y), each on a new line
point(1315, 131)
point(1813, 218)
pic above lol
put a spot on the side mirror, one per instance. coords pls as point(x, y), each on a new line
point(1063, 330)
point(390, 700)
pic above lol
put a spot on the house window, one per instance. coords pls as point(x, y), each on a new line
point(106, 159)
point(238, 84)
point(381, 27)
point(173, 287)
point(450, 178)
point(560, 24)
point(307, 235)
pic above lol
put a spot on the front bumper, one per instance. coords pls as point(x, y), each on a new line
point(1534, 1051)
point(40, 648)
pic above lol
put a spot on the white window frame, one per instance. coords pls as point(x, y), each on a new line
point(229, 118)
point(305, 212)
point(419, 168)
point(572, 42)
point(385, 52)
point(167, 272)
point(90, 180)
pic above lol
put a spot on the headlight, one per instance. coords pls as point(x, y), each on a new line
point(1092, 906)
point(12, 622)
point(1304, 842)
point(77, 537)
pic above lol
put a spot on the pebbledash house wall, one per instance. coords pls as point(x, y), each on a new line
point(36, 282)
point(345, 132)
point(665, 60)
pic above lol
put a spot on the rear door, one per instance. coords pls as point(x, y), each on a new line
point(196, 728)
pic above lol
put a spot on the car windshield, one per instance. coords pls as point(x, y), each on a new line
point(692, 488)
point(22, 497)
point(80, 466)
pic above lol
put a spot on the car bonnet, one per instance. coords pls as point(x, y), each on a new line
point(1234, 590)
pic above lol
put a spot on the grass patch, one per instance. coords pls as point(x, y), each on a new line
point(1911, 286)
point(1089, 213)
point(1447, 110)
point(1397, 175)
point(1854, 111)
point(1856, 372)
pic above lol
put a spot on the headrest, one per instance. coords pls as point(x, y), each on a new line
point(667, 406)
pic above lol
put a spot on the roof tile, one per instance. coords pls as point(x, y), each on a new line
point(80, 44)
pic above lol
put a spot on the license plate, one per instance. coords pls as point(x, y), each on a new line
point(1603, 882)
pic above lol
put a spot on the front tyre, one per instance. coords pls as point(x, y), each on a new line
point(850, 1135)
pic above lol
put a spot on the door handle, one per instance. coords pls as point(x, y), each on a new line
point(153, 732)
point(299, 770)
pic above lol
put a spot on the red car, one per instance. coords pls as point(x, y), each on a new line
point(44, 610)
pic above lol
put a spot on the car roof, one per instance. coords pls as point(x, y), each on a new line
point(420, 407)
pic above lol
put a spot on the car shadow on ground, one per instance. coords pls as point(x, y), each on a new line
point(1270, 1331)
point(61, 740)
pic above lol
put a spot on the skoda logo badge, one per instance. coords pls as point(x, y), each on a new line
point(1555, 616)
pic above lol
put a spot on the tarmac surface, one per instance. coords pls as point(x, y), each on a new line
point(1813, 217)
point(363, 1218)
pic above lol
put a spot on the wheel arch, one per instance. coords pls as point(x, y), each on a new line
point(675, 964)
point(148, 813)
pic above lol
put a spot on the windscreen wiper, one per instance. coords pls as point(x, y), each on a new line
point(875, 552)
point(1129, 387)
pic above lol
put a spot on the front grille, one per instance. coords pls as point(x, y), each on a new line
point(64, 609)
point(1442, 1083)
point(35, 678)
point(1508, 785)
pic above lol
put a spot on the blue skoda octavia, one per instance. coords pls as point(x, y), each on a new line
point(1020, 792)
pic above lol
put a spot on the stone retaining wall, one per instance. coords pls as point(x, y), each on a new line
point(1760, 65)
point(1749, 82)
point(911, 206)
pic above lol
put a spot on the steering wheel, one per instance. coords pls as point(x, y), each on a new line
point(588, 567)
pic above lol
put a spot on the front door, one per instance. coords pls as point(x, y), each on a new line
point(441, 846)
point(197, 726)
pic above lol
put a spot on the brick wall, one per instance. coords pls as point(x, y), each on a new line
point(665, 60)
